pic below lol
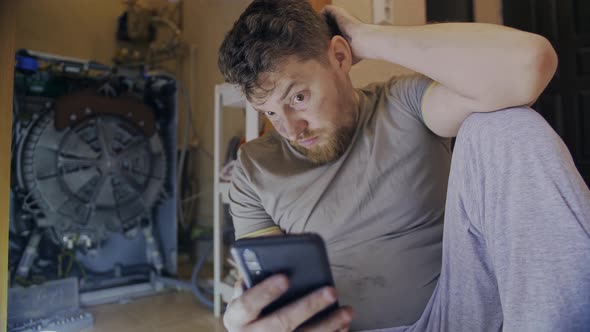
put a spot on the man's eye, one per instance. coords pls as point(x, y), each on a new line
point(300, 97)
point(269, 113)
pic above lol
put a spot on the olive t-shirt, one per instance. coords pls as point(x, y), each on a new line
point(379, 207)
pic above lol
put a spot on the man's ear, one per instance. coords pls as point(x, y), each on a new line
point(340, 54)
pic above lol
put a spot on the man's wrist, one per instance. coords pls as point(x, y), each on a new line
point(377, 42)
point(363, 41)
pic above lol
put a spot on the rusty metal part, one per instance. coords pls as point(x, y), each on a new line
point(76, 107)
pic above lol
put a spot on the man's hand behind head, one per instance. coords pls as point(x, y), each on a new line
point(343, 24)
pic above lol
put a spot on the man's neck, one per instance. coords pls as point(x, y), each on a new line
point(356, 100)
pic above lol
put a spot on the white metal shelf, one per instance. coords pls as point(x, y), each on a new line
point(226, 95)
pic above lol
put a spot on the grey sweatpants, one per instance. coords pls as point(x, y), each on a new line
point(516, 244)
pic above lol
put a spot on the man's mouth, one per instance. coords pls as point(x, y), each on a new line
point(308, 142)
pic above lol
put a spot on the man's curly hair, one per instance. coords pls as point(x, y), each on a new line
point(265, 34)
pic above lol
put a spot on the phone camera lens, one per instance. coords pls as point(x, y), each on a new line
point(252, 261)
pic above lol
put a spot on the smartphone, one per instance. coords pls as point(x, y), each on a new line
point(302, 258)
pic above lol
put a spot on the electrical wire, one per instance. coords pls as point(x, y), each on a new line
point(193, 285)
point(187, 130)
point(184, 145)
point(195, 275)
point(189, 119)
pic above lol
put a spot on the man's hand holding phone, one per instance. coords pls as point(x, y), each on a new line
point(243, 313)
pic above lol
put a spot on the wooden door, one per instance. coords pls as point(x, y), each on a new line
point(449, 10)
point(7, 28)
point(566, 102)
point(319, 4)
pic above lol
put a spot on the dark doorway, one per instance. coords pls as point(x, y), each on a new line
point(449, 10)
point(566, 102)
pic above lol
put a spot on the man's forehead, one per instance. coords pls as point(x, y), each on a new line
point(272, 84)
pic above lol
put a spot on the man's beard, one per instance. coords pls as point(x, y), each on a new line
point(329, 147)
point(333, 143)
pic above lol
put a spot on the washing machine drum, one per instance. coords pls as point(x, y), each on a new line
point(104, 173)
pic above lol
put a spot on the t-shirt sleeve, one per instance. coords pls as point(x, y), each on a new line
point(248, 215)
point(406, 93)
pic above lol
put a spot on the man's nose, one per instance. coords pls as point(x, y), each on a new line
point(295, 125)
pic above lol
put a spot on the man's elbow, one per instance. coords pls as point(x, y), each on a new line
point(542, 65)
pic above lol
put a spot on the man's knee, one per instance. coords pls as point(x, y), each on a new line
point(520, 126)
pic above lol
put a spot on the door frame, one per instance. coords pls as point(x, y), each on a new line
point(488, 11)
point(7, 36)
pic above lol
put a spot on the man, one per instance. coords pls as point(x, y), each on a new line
point(367, 169)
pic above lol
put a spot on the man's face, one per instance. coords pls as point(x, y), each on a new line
point(312, 105)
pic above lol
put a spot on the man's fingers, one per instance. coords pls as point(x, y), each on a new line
point(330, 9)
point(339, 14)
point(238, 289)
point(325, 10)
point(247, 307)
point(337, 321)
point(291, 316)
